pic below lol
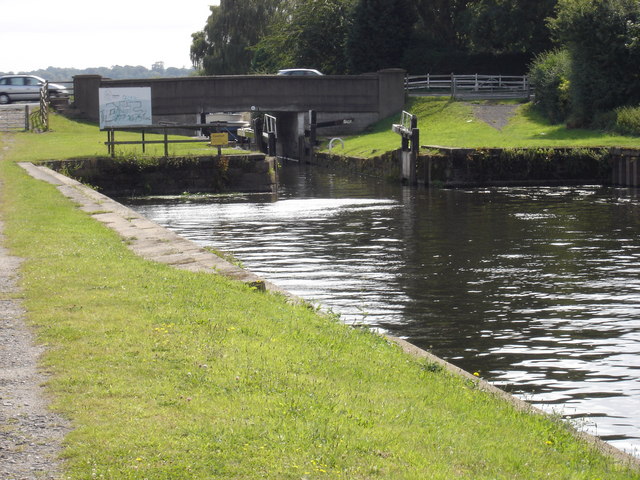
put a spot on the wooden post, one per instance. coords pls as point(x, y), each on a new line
point(313, 129)
point(313, 126)
point(143, 144)
point(258, 129)
point(111, 135)
point(26, 118)
point(166, 143)
point(271, 146)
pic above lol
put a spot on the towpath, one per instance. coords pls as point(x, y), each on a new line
point(30, 433)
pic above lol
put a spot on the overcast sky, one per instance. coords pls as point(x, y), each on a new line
point(37, 34)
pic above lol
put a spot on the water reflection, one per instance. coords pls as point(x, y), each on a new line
point(536, 288)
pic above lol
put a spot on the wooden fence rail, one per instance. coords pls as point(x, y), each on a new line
point(469, 86)
point(14, 118)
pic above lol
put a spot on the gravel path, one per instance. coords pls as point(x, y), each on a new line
point(496, 115)
point(30, 434)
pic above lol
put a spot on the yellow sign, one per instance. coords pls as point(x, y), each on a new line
point(219, 139)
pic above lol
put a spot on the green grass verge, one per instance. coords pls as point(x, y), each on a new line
point(167, 374)
point(445, 122)
point(74, 139)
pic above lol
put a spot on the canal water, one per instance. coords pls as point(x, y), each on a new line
point(537, 289)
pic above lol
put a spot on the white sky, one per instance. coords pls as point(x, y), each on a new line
point(37, 34)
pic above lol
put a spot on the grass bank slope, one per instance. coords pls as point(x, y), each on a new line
point(445, 122)
point(167, 374)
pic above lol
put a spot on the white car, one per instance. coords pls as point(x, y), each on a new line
point(299, 71)
point(15, 88)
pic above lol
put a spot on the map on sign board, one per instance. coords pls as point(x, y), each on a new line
point(125, 107)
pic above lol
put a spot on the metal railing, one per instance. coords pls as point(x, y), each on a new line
point(270, 125)
point(469, 86)
point(407, 120)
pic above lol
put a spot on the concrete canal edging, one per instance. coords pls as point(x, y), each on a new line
point(154, 242)
point(448, 167)
point(144, 237)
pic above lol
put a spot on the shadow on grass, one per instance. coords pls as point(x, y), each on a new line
point(560, 132)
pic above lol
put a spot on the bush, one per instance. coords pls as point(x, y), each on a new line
point(628, 121)
point(602, 38)
point(549, 75)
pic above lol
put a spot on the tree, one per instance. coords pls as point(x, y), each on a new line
point(439, 21)
point(508, 26)
point(603, 42)
point(158, 67)
point(225, 44)
point(486, 36)
point(380, 32)
point(549, 75)
point(312, 35)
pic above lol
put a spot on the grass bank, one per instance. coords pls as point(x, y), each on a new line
point(167, 374)
point(445, 122)
point(76, 139)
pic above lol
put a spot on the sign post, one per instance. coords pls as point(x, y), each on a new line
point(219, 140)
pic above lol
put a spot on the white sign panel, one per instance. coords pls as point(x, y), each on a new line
point(125, 106)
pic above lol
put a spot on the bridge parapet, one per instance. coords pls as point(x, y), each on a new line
point(380, 93)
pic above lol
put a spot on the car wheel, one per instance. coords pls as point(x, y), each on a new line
point(4, 99)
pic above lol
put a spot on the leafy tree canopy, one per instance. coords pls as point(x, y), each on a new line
point(340, 36)
point(380, 32)
point(602, 38)
point(225, 44)
point(312, 35)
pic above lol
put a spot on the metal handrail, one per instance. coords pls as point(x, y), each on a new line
point(270, 125)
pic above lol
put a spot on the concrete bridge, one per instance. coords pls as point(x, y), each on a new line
point(363, 98)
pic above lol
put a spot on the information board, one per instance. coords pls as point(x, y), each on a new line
point(125, 107)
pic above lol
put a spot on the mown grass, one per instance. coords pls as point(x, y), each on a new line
point(76, 139)
point(167, 374)
point(445, 122)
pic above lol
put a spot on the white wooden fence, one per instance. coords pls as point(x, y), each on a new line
point(469, 86)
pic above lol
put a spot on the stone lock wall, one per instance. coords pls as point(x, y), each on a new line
point(174, 176)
